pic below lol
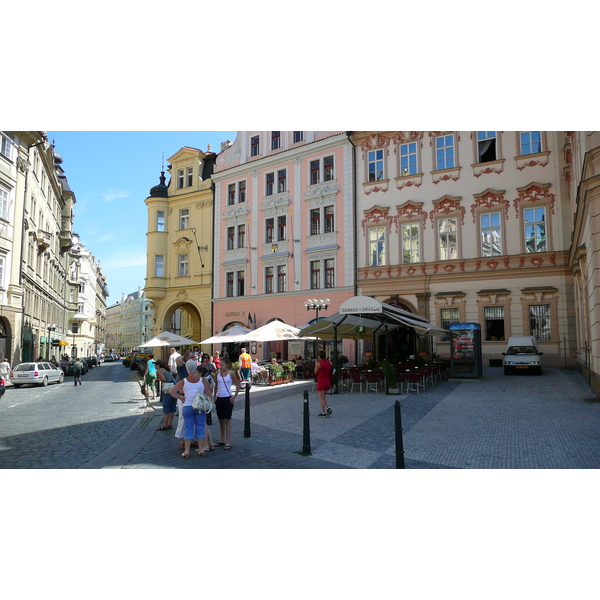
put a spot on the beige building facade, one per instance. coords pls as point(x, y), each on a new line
point(463, 226)
point(180, 246)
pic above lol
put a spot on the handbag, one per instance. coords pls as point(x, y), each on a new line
point(202, 403)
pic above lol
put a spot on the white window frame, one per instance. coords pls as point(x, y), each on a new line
point(183, 265)
point(483, 137)
point(326, 273)
point(444, 148)
point(184, 218)
point(444, 253)
point(297, 137)
point(411, 238)
point(2, 264)
point(159, 265)
point(530, 142)
point(241, 191)
point(526, 209)
point(380, 258)
point(406, 165)
point(180, 180)
point(4, 202)
point(6, 146)
point(254, 149)
point(376, 157)
point(275, 140)
point(160, 220)
point(189, 176)
point(489, 230)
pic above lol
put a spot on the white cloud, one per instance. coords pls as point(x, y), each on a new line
point(111, 195)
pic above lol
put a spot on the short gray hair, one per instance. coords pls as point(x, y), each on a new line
point(191, 365)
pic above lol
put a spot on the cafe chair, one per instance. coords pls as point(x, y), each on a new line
point(356, 379)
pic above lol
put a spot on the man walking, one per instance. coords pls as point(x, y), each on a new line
point(173, 362)
point(77, 369)
point(245, 366)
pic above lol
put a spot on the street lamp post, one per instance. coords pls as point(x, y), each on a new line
point(317, 305)
point(51, 327)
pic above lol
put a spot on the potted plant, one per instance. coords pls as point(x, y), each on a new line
point(288, 367)
point(309, 368)
point(390, 376)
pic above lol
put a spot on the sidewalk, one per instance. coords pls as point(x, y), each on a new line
point(504, 422)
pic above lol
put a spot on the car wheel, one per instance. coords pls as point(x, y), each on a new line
point(44, 382)
point(61, 378)
point(506, 371)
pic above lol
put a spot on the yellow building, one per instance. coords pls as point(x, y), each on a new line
point(179, 246)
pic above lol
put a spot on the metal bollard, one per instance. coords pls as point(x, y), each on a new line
point(247, 432)
point(399, 442)
point(306, 430)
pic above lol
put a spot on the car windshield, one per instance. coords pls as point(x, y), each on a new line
point(25, 367)
point(521, 350)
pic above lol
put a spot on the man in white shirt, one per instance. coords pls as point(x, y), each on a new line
point(172, 363)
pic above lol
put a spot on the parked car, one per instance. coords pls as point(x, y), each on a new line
point(109, 358)
point(36, 373)
point(92, 361)
point(127, 361)
point(2, 386)
point(522, 354)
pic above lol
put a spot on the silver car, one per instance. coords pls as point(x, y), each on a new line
point(36, 373)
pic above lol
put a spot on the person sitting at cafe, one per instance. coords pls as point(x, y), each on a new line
point(299, 366)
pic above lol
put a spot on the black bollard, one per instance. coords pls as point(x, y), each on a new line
point(306, 430)
point(399, 442)
point(247, 432)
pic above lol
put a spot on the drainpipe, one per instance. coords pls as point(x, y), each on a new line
point(354, 240)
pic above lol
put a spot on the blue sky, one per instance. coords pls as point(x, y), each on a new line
point(111, 173)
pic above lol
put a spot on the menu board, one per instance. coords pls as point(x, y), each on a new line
point(463, 344)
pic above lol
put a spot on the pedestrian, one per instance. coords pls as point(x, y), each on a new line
point(208, 441)
point(245, 366)
point(64, 363)
point(150, 375)
point(164, 375)
point(225, 400)
point(207, 363)
point(77, 370)
point(4, 369)
point(217, 359)
point(194, 420)
point(323, 372)
point(181, 374)
point(173, 361)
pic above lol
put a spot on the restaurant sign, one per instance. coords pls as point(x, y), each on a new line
point(360, 305)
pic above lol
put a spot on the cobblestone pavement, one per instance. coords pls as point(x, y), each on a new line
point(518, 422)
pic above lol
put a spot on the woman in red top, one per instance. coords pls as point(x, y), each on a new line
point(323, 372)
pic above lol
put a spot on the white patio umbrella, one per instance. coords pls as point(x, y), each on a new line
point(272, 332)
point(166, 338)
point(233, 334)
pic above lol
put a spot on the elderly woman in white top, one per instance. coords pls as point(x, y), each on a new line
point(193, 420)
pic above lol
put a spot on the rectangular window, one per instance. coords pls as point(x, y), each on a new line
point(255, 146)
point(230, 238)
point(376, 246)
point(448, 238)
point(242, 191)
point(75, 328)
point(231, 194)
point(315, 274)
point(329, 219)
point(531, 142)
point(190, 178)
point(535, 229)
point(328, 168)
point(6, 146)
point(160, 220)
point(179, 179)
point(275, 140)
point(2, 272)
point(229, 284)
point(281, 181)
point(486, 146)
point(268, 280)
point(315, 221)
point(281, 227)
point(375, 165)
point(159, 261)
point(183, 265)
point(315, 171)
point(408, 159)
point(410, 243)
point(449, 316)
point(539, 322)
point(329, 273)
point(270, 184)
point(491, 238)
point(3, 203)
point(281, 279)
point(298, 136)
point(444, 152)
point(269, 231)
point(494, 323)
point(240, 283)
point(241, 236)
point(184, 218)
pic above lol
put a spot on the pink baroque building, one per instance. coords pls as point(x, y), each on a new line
point(284, 233)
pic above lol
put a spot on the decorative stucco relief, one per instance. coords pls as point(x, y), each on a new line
point(488, 200)
point(534, 192)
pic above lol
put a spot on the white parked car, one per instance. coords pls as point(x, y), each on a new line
point(522, 354)
point(36, 373)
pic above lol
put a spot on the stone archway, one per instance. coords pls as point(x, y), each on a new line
point(5, 339)
point(182, 318)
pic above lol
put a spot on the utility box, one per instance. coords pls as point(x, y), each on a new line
point(465, 350)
